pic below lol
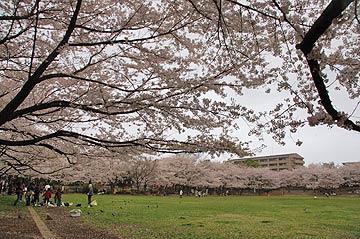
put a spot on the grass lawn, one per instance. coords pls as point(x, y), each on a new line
point(225, 217)
point(221, 217)
point(7, 208)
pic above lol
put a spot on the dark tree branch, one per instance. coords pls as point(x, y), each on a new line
point(252, 9)
point(68, 104)
point(8, 37)
point(22, 166)
point(6, 113)
point(93, 109)
point(284, 15)
point(24, 17)
point(111, 86)
point(198, 10)
point(46, 145)
point(332, 11)
point(174, 28)
point(356, 11)
point(68, 134)
point(158, 145)
point(52, 148)
point(35, 35)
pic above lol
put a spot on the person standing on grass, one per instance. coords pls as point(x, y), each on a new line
point(36, 198)
point(58, 195)
point(19, 191)
point(28, 196)
point(90, 193)
point(181, 193)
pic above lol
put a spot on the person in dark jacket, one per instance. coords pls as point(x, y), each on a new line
point(58, 195)
point(19, 191)
point(36, 197)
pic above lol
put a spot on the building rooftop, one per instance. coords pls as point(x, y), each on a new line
point(274, 162)
point(295, 155)
point(351, 163)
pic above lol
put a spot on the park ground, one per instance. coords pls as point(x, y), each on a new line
point(118, 216)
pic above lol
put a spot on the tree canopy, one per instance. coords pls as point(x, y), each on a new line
point(78, 78)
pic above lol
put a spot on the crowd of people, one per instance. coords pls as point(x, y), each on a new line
point(38, 193)
point(32, 192)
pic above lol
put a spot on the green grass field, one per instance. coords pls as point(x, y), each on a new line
point(224, 217)
point(7, 208)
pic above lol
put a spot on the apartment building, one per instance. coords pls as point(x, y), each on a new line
point(275, 162)
point(351, 164)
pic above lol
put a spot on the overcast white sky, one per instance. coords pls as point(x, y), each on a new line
point(320, 144)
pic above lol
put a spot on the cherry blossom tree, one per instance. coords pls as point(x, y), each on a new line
point(231, 176)
point(100, 167)
point(191, 172)
point(82, 74)
point(188, 171)
point(322, 177)
point(260, 178)
point(179, 170)
point(142, 172)
point(217, 174)
point(168, 76)
point(294, 46)
point(292, 179)
point(351, 175)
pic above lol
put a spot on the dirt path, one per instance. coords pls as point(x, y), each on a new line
point(18, 225)
point(43, 229)
point(59, 221)
point(54, 223)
